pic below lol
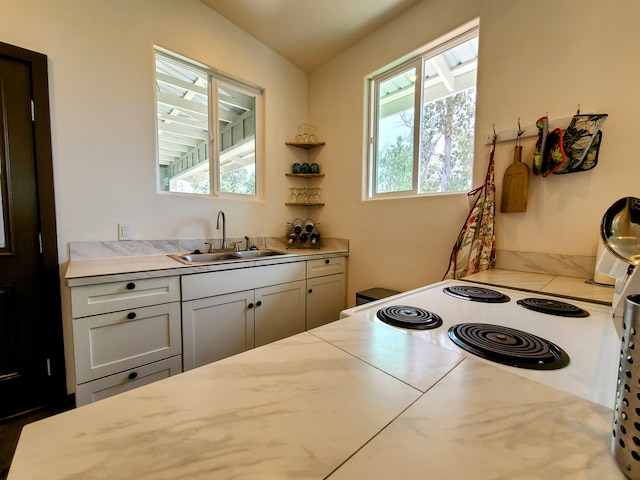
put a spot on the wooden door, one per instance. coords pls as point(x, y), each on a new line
point(31, 350)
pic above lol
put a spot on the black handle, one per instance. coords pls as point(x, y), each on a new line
point(327, 261)
point(131, 286)
point(250, 305)
point(258, 303)
point(131, 315)
point(310, 290)
point(133, 375)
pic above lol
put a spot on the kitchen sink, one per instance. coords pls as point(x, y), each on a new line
point(259, 253)
point(225, 256)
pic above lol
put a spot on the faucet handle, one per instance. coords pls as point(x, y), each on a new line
point(210, 246)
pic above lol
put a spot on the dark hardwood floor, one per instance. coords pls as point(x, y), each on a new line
point(10, 432)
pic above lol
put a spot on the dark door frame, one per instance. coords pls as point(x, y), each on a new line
point(50, 299)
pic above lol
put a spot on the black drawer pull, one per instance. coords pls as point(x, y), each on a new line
point(250, 305)
point(133, 375)
point(258, 303)
point(327, 261)
point(310, 290)
point(131, 315)
point(131, 286)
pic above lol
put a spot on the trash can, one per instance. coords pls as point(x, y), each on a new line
point(373, 294)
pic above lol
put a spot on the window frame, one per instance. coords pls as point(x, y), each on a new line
point(215, 78)
point(373, 81)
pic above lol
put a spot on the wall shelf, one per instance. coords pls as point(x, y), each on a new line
point(305, 145)
point(305, 175)
point(314, 204)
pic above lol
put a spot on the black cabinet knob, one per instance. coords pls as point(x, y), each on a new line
point(327, 261)
point(310, 290)
point(258, 303)
point(133, 375)
point(250, 305)
point(131, 286)
point(131, 315)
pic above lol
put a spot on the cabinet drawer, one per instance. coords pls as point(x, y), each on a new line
point(112, 297)
point(128, 380)
point(326, 266)
point(203, 285)
point(112, 342)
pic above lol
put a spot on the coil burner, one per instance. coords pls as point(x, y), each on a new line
point(508, 346)
point(476, 294)
point(552, 307)
point(409, 317)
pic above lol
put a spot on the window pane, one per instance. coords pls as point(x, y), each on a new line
point(424, 120)
point(183, 127)
point(448, 119)
point(394, 155)
point(237, 145)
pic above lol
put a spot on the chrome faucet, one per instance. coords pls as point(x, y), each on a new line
point(224, 229)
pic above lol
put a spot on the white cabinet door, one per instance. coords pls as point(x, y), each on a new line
point(217, 327)
point(279, 312)
point(326, 298)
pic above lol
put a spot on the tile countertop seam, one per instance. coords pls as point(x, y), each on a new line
point(115, 269)
point(574, 288)
point(423, 393)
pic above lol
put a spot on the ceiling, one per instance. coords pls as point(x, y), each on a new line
point(309, 32)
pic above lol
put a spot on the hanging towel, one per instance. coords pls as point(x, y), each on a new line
point(474, 250)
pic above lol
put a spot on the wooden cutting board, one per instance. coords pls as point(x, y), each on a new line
point(515, 186)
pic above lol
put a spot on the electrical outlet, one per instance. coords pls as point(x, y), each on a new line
point(125, 231)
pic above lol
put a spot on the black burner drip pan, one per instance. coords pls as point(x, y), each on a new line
point(409, 317)
point(552, 307)
point(476, 294)
point(508, 346)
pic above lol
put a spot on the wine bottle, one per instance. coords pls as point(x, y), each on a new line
point(303, 237)
point(292, 238)
point(314, 237)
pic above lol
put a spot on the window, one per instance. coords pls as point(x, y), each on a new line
point(208, 126)
point(421, 132)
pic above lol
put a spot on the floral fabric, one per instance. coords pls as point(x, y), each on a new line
point(474, 250)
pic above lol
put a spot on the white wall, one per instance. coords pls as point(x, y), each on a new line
point(535, 57)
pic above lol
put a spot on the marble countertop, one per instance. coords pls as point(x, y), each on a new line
point(353, 399)
point(563, 286)
point(134, 267)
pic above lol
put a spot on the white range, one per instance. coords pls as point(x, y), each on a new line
point(588, 335)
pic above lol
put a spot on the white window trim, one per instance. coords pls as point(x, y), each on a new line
point(460, 35)
point(215, 77)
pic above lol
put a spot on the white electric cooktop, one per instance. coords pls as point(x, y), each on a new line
point(591, 342)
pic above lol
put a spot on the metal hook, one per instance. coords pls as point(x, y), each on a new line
point(520, 132)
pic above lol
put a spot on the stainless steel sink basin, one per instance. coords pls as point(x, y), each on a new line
point(225, 256)
point(258, 253)
point(205, 257)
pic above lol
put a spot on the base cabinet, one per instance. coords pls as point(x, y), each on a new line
point(125, 335)
point(225, 322)
point(217, 327)
point(326, 290)
point(325, 299)
point(128, 380)
point(279, 312)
